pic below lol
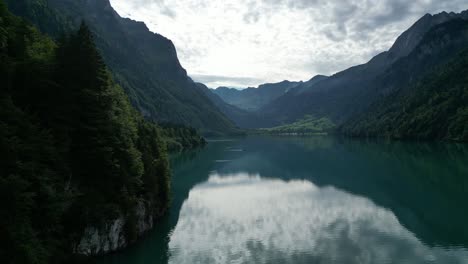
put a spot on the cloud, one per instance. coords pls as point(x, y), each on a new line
point(214, 81)
point(241, 218)
point(249, 41)
point(160, 5)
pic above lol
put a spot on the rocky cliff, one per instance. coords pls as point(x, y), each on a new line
point(113, 236)
point(144, 63)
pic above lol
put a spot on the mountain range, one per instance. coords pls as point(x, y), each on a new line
point(145, 64)
point(434, 107)
point(423, 50)
point(251, 99)
point(91, 103)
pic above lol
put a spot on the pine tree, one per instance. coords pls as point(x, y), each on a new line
point(86, 78)
point(73, 151)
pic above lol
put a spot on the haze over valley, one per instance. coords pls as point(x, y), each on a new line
point(248, 43)
point(269, 131)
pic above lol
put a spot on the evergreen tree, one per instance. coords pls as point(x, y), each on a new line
point(73, 151)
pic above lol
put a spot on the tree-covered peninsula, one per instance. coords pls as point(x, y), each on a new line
point(81, 171)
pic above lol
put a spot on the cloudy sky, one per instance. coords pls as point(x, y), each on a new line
point(242, 43)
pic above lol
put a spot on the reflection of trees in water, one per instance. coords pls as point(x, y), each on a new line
point(440, 165)
point(424, 184)
point(427, 185)
point(247, 219)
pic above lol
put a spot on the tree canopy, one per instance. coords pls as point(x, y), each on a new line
point(73, 151)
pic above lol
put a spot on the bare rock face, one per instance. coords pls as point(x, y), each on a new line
point(100, 241)
point(144, 218)
point(112, 236)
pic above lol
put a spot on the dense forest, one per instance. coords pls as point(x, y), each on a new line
point(435, 108)
point(309, 125)
point(179, 137)
point(74, 152)
point(430, 42)
point(143, 63)
point(408, 92)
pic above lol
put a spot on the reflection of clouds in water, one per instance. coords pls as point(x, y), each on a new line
point(247, 219)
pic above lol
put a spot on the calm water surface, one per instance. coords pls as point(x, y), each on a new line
point(313, 200)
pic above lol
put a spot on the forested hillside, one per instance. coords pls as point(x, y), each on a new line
point(307, 126)
point(75, 158)
point(242, 118)
point(145, 64)
point(431, 41)
point(435, 108)
point(408, 92)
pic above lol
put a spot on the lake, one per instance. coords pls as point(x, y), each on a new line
point(313, 200)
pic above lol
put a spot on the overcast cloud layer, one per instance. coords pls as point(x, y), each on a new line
point(242, 43)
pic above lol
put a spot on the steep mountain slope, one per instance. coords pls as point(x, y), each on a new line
point(242, 118)
point(306, 126)
point(348, 93)
point(81, 172)
point(143, 63)
point(252, 99)
point(435, 108)
point(307, 86)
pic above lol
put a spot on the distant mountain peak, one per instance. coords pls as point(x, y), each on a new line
point(407, 41)
point(429, 42)
point(318, 77)
point(251, 98)
point(144, 63)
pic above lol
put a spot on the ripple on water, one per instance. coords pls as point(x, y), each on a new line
point(248, 219)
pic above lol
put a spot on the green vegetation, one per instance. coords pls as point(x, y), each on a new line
point(144, 64)
point(430, 42)
point(179, 137)
point(309, 125)
point(73, 151)
point(44, 15)
point(435, 108)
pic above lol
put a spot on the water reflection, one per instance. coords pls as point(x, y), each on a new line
point(327, 200)
point(424, 185)
point(242, 218)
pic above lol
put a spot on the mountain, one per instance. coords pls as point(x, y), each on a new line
point(306, 126)
point(242, 118)
point(145, 64)
point(81, 171)
point(435, 108)
point(350, 92)
point(307, 86)
point(251, 99)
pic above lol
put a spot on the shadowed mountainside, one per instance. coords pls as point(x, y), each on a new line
point(145, 64)
point(251, 99)
point(350, 92)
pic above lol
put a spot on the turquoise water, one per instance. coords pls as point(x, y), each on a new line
point(313, 200)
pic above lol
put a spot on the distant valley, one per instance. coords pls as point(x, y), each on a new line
point(97, 111)
point(432, 48)
point(146, 66)
point(252, 99)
